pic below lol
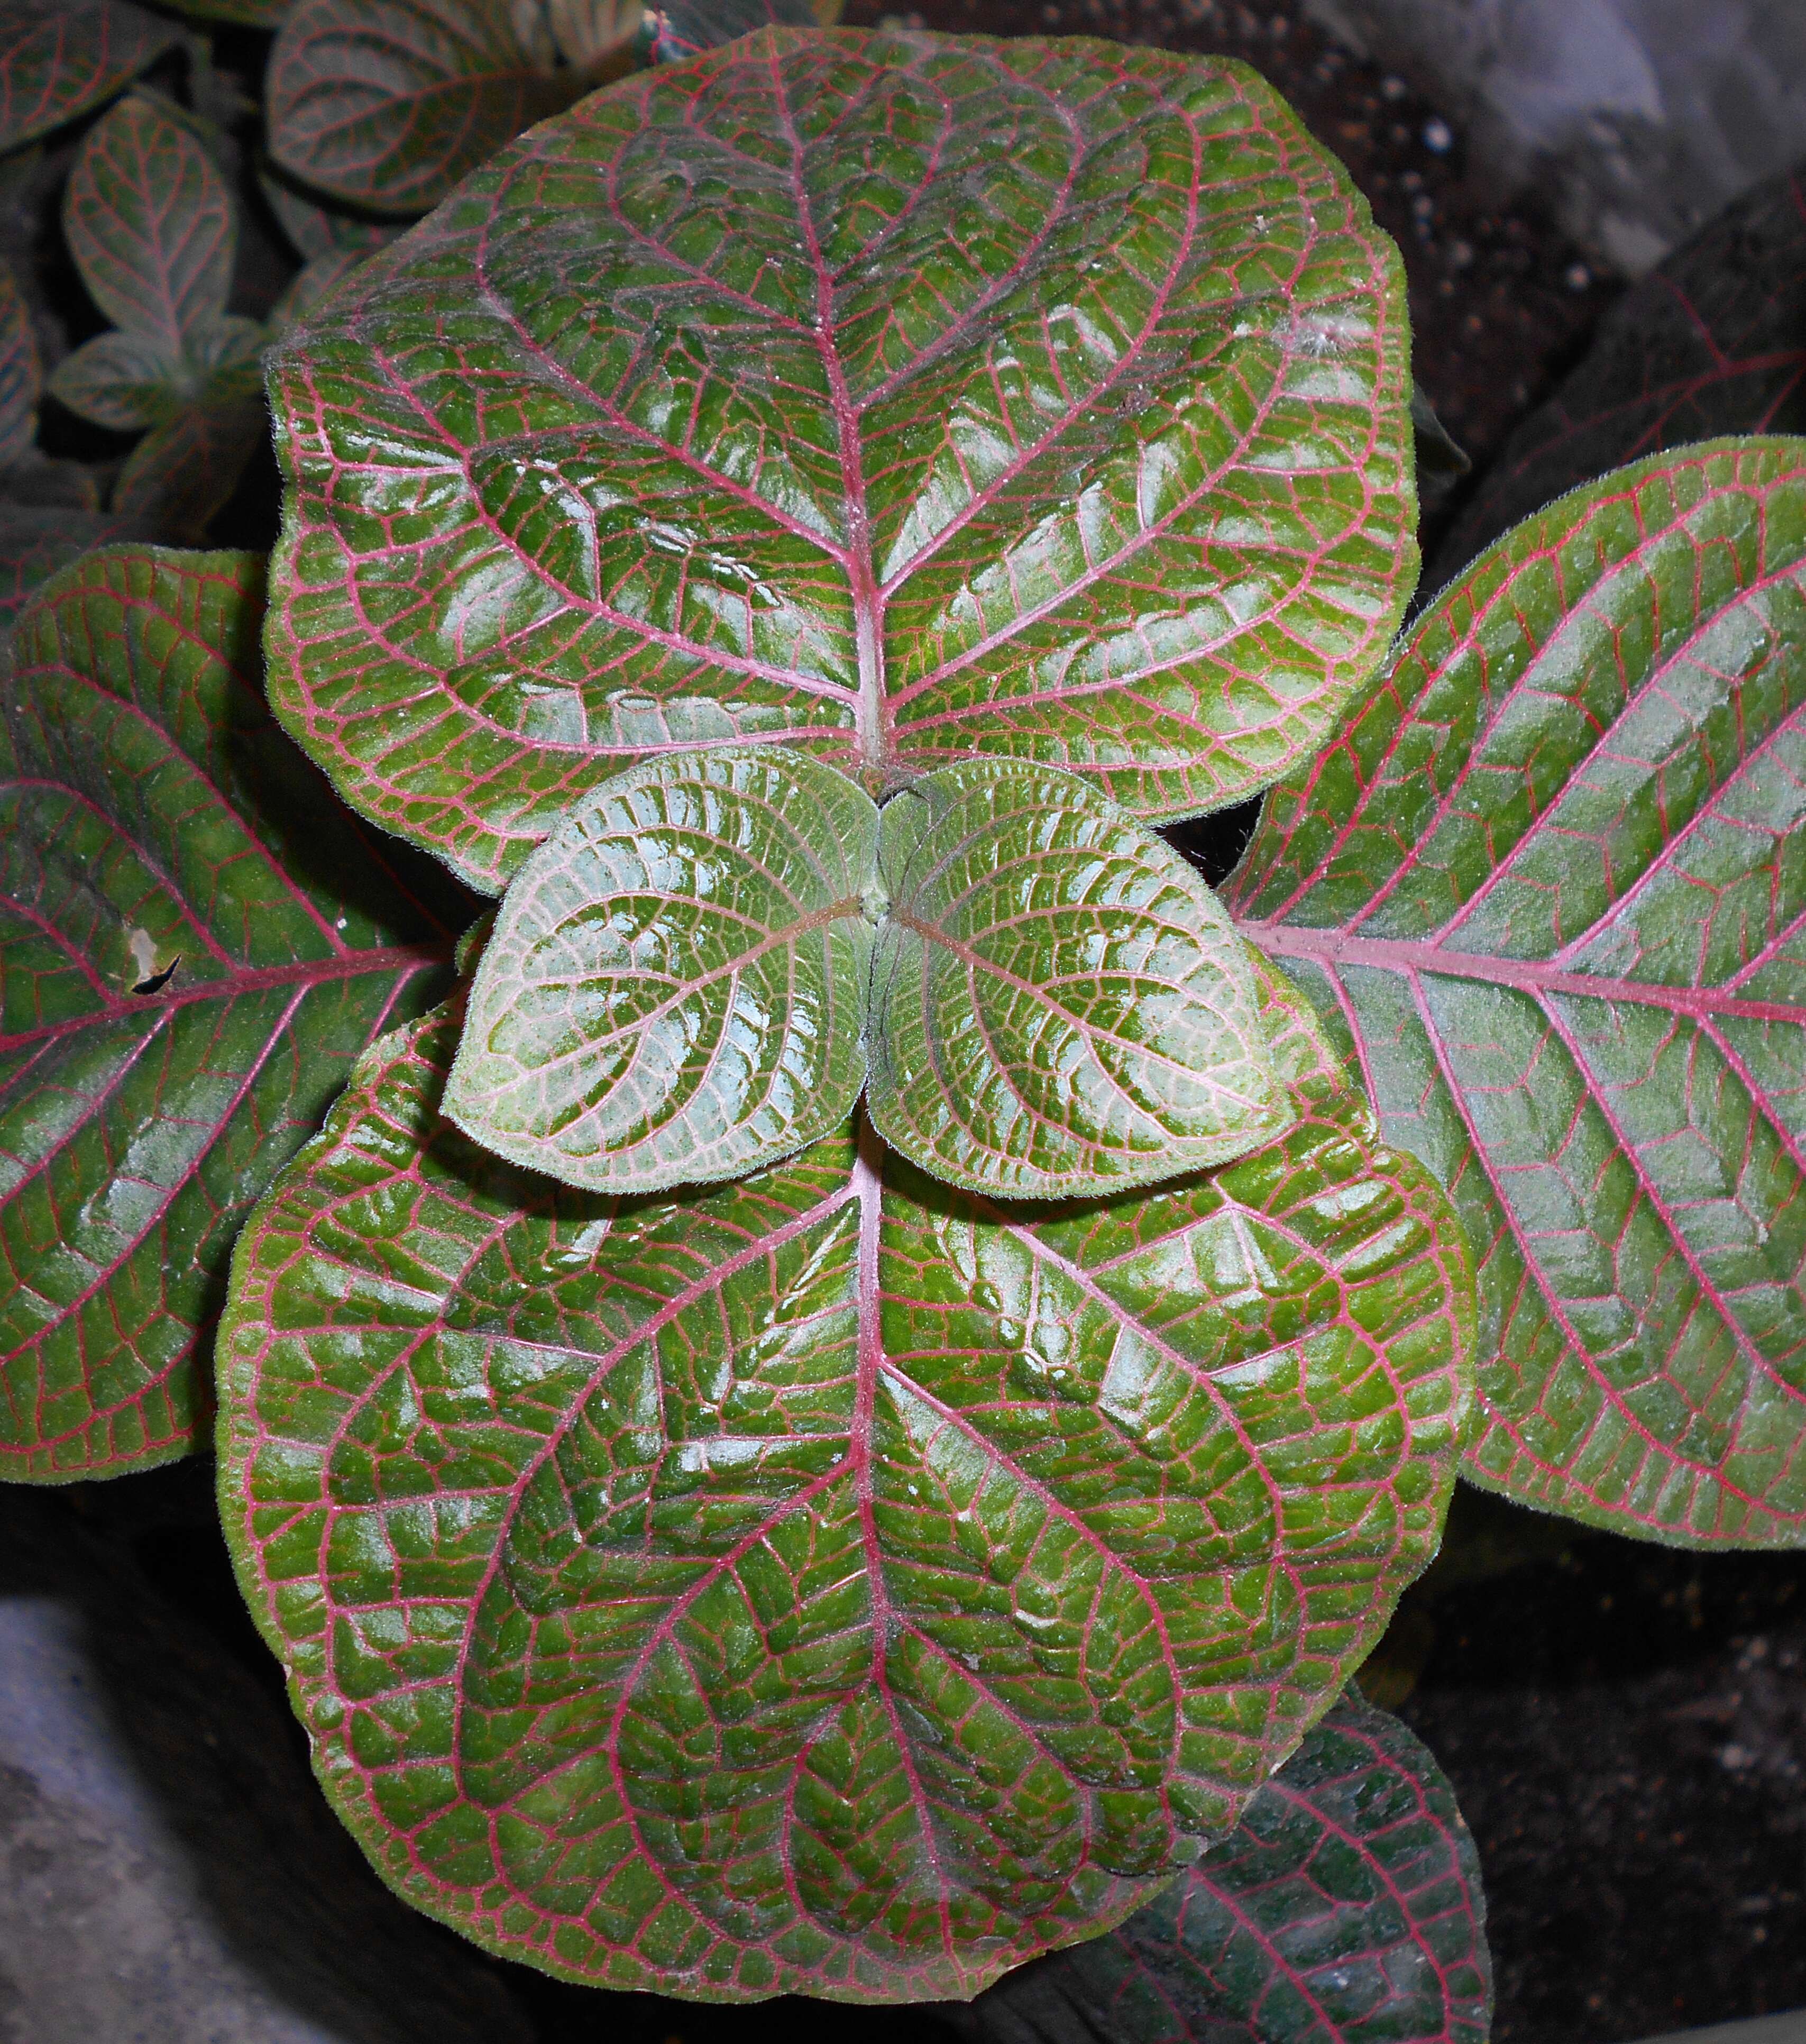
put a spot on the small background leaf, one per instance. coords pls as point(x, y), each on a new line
point(1059, 1004)
point(684, 27)
point(675, 988)
point(158, 831)
point(389, 103)
point(1346, 1907)
point(828, 1581)
point(60, 58)
point(1549, 887)
point(37, 540)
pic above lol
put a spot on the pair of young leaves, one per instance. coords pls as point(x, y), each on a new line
point(700, 969)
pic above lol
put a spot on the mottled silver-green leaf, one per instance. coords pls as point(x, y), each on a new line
point(1059, 1003)
point(674, 988)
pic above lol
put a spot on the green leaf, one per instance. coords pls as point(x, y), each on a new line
point(1345, 1907)
point(827, 1581)
point(149, 223)
point(151, 226)
point(389, 103)
point(196, 944)
point(1059, 1006)
point(316, 230)
point(21, 379)
point(1549, 884)
point(896, 398)
point(36, 540)
point(62, 58)
point(676, 984)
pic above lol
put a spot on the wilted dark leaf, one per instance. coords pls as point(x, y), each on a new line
point(1712, 342)
point(1346, 1908)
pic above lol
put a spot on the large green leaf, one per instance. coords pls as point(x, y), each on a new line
point(388, 103)
point(1550, 883)
point(1059, 1004)
point(194, 944)
point(675, 989)
point(1346, 1908)
point(151, 226)
point(827, 1581)
point(896, 397)
point(60, 58)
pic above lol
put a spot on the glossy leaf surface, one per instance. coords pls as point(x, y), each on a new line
point(675, 989)
point(1550, 884)
point(1712, 342)
point(1345, 1908)
point(389, 103)
point(60, 58)
point(150, 222)
point(194, 945)
point(828, 1580)
point(1059, 1004)
point(894, 397)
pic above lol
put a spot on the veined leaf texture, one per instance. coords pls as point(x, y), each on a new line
point(198, 943)
point(1548, 887)
point(829, 1580)
point(893, 397)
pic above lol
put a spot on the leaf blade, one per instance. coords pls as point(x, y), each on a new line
point(827, 559)
point(1059, 1004)
point(1347, 1904)
point(61, 57)
point(151, 225)
point(176, 1006)
point(389, 105)
point(1552, 915)
point(675, 987)
point(864, 1442)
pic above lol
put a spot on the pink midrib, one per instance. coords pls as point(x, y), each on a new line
point(1532, 976)
point(306, 972)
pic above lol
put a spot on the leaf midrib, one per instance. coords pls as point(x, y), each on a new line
point(1337, 946)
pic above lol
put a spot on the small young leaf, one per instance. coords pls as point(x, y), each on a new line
point(827, 1581)
point(388, 103)
point(1549, 884)
point(150, 224)
point(198, 944)
point(1345, 1908)
point(60, 58)
point(1059, 1004)
point(675, 987)
point(1071, 424)
point(21, 378)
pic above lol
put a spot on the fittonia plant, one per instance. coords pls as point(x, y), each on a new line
point(843, 1406)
